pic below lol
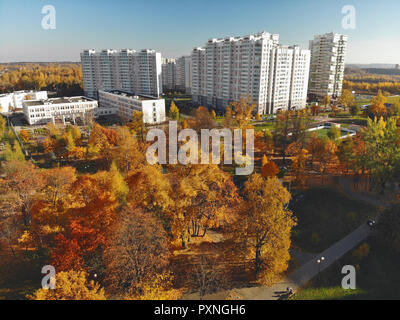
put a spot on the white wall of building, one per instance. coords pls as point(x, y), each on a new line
point(124, 105)
point(328, 54)
point(14, 100)
point(125, 69)
point(43, 111)
point(253, 66)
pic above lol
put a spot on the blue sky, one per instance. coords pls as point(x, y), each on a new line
point(174, 27)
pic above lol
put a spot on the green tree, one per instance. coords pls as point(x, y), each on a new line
point(334, 133)
point(354, 109)
point(382, 143)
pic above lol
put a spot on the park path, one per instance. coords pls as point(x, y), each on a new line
point(310, 269)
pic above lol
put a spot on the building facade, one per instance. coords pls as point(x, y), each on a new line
point(14, 100)
point(124, 104)
point(64, 109)
point(255, 67)
point(126, 69)
point(169, 74)
point(184, 74)
point(328, 55)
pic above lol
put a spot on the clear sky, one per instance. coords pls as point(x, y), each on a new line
point(174, 27)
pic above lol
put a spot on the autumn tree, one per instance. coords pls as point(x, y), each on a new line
point(334, 133)
point(228, 120)
point(382, 142)
point(354, 109)
point(24, 135)
point(299, 161)
point(326, 101)
point(173, 111)
point(346, 99)
point(378, 107)
point(326, 156)
point(127, 155)
point(207, 275)
point(149, 189)
point(269, 168)
point(160, 287)
point(242, 111)
point(138, 126)
point(263, 230)
point(203, 198)
point(71, 285)
point(13, 153)
point(74, 244)
point(3, 125)
point(139, 247)
point(26, 183)
point(202, 120)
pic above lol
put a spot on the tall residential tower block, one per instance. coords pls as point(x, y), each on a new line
point(328, 54)
point(126, 70)
point(256, 67)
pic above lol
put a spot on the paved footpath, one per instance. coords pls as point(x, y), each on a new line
point(301, 276)
point(307, 271)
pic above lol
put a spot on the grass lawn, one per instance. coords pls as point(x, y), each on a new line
point(326, 293)
point(325, 216)
point(377, 278)
point(270, 125)
point(392, 99)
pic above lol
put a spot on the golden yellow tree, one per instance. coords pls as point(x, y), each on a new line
point(263, 230)
point(71, 285)
point(377, 107)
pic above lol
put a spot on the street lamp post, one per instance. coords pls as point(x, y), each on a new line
point(319, 261)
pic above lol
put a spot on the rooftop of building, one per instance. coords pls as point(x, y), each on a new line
point(20, 92)
point(132, 95)
point(62, 100)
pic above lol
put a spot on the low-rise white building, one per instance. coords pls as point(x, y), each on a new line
point(125, 103)
point(65, 109)
point(13, 100)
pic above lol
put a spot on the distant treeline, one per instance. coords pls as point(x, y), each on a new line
point(63, 78)
point(372, 80)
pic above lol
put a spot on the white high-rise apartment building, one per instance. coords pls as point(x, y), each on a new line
point(328, 54)
point(253, 66)
point(287, 88)
point(126, 69)
point(169, 74)
point(184, 74)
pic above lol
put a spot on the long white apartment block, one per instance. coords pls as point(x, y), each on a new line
point(289, 78)
point(169, 74)
point(184, 74)
point(125, 69)
point(328, 55)
point(125, 103)
point(64, 109)
point(14, 100)
point(255, 67)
